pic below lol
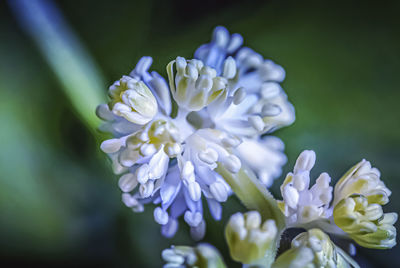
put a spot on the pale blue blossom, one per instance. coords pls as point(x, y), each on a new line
point(225, 100)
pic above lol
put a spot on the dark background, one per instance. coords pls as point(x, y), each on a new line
point(59, 201)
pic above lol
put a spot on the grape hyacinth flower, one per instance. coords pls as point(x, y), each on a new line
point(167, 150)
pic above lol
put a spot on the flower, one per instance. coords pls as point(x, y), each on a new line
point(301, 204)
point(203, 255)
point(194, 85)
point(247, 239)
point(312, 249)
point(365, 222)
point(133, 100)
point(362, 179)
point(256, 103)
point(356, 210)
point(221, 110)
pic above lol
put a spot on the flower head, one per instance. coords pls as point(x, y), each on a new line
point(223, 107)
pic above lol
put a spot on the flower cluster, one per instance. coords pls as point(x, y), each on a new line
point(201, 134)
point(167, 149)
point(354, 211)
point(312, 249)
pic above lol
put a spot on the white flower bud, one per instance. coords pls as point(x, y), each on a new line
point(257, 122)
point(127, 182)
point(270, 90)
point(305, 161)
point(129, 200)
point(232, 163)
point(229, 68)
point(160, 216)
point(187, 171)
point(142, 173)
point(209, 156)
point(365, 222)
point(193, 218)
point(194, 85)
point(219, 191)
point(239, 96)
point(146, 189)
point(362, 179)
point(111, 146)
point(133, 100)
point(194, 190)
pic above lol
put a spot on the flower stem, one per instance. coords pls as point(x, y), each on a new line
point(253, 194)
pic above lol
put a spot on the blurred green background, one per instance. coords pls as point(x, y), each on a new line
point(59, 201)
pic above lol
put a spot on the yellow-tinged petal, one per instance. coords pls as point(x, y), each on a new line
point(133, 100)
point(313, 249)
point(194, 85)
point(247, 239)
point(365, 180)
point(365, 222)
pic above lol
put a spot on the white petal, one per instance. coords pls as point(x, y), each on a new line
point(169, 229)
point(194, 190)
point(253, 220)
point(142, 173)
point(158, 164)
point(127, 182)
point(219, 191)
point(160, 216)
point(193, 218)
point(305, 161)
point(215, 209)
point(199, 231)
point(290, 196)
point(111, 146)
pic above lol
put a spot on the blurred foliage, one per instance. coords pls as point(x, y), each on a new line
point(59, 200)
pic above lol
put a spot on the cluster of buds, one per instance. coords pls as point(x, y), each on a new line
point(195, 85)
point(354, 212)
point(356, 209)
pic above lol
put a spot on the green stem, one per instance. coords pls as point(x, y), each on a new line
point(253, 194)
point(266, 261)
